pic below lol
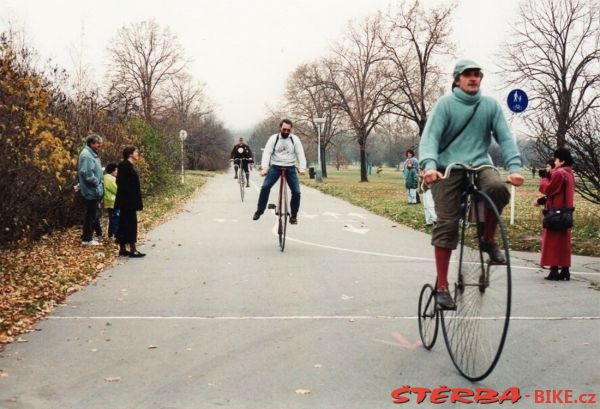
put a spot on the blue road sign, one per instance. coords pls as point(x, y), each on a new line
point(517, 100)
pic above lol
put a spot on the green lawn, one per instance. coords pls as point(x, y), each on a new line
point(385, 195)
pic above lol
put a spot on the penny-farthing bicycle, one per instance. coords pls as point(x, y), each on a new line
point(475, 332)
point(282, 208)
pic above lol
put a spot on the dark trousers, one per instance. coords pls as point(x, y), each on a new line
point(113, 222)
point(272, 178)
point(447, 194)
point(89, 220)
point(127, 231)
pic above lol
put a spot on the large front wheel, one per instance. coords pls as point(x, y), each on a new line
point(242, 183)
point(283, 213)
point(428, 316)
point(476, 331)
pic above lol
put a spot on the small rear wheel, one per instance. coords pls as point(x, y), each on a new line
point(428, 316)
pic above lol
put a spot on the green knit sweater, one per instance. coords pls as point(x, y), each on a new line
point(471, 147)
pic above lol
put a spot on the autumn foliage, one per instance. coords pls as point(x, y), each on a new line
point(38, 166)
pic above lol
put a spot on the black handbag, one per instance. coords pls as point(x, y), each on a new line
point(558, 219)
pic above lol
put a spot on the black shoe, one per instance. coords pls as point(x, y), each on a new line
point(247, 184)
point(136, 254)
point(293, 219)
point(565, 274)
point(256, 216)
point(235, 177)
point(124, 253)
point(444, 301)
point(496, 256)
point(553, 276)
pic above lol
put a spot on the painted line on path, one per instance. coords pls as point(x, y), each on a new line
point(297, 318)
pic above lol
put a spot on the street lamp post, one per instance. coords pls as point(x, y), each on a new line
point(182, 137)
point(319, 173)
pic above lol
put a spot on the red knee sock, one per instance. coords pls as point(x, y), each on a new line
point(442, 260)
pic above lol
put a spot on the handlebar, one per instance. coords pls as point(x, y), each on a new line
point(465, 167)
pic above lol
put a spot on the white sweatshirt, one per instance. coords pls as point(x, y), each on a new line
point(286, 153)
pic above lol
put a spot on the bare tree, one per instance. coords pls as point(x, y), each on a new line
point(359, 76)
point(144, 56)
point(309, 99)
point(584, 142)
point(413, 38)
point(555, 51)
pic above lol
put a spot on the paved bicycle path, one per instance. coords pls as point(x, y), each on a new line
point(216, 315)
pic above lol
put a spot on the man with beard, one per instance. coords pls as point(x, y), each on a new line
point(282, 151)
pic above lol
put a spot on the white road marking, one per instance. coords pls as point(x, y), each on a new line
point(332, 214)
point(295, 318)
point(427, 259)
point(360, 216)
point(358, 230)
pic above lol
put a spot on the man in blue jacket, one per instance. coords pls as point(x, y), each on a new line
point(91, 185)
point(445, 140)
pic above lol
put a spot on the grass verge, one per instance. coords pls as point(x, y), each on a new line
point(385, 195)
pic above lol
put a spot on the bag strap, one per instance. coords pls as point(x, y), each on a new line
point(456, 135)
point(277, 140)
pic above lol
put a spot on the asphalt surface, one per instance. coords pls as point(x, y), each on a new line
point(217, 316)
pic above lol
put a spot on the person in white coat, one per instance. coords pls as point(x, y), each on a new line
point(283, 151)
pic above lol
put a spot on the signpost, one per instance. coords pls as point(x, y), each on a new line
point(517, 102)
point(182, 137)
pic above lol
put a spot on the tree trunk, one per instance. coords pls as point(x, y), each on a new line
point(323, 162)
point(363, 163)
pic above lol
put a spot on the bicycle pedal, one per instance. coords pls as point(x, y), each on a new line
point(271, 206)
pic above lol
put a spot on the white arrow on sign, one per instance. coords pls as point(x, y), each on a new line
point(357, 230)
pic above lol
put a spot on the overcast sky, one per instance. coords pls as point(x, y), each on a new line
point(243, 50)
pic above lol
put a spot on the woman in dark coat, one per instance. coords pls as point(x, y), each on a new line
point(556, 244)
point(128, 201)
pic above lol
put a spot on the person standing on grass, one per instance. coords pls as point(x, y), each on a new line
point(91, 186)
point(129, 201)
point(559, 192)
point(411, 181)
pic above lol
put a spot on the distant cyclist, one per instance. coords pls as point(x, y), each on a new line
point(283, 150)
point(242, 151)
point(460, 129)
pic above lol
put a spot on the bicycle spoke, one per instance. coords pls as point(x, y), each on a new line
point(476, 331)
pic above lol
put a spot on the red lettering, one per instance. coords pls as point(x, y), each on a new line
point(439, 395)
point(592, 397)
point(397, 394)
point(538, 396)
point(512, 394)
point(485, 395)
point(556, 396)
point(569, 396)
point(460, 395)
point(421, 393)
